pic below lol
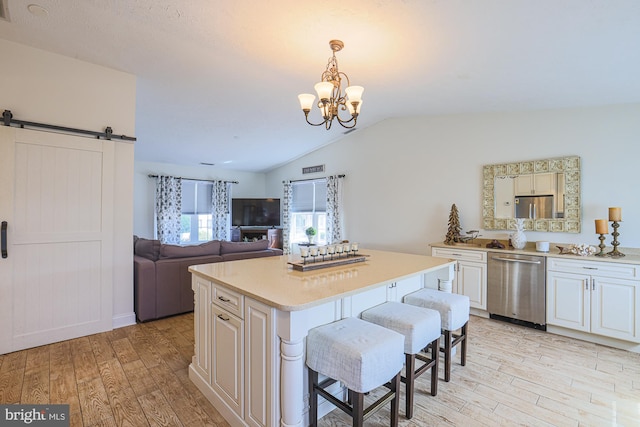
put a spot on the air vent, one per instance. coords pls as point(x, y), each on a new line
point(4, 10)
point(346, 132)
point(207, 164)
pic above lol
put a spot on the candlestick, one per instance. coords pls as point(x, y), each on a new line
point(601, 245)
point(602, 226)
point(615, 253)
point(615, 214)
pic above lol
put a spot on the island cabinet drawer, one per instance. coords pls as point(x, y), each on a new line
point(230, 300)
point(460, 255)
point(595, 268)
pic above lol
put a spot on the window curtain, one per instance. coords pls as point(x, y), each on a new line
point(168, 209)
point(286, 216)
point(220, 192)
point(334, 209)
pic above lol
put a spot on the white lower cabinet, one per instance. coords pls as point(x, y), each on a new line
point(597, 297)
point(470, 274)
point(227, 357)
point(235, 352)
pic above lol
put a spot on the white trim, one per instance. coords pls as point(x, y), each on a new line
point(122, 320)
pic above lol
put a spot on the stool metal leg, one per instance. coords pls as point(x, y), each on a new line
point(410, 379)
point(358, 408)
point(463, 352)
point(447, 356)
point(395, 402)
point(313, 398)
point(435, 355)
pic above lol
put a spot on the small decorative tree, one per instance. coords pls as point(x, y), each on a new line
point(453, 233)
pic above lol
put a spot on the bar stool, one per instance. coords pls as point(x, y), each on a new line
point(362, 356)
point(421, 328)
point(454, 313)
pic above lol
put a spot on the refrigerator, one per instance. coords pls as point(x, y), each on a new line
point(534, 207)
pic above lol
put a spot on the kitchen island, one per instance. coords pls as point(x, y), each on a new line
point(252, 316)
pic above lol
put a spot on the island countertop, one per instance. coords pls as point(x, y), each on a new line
point(272, 280)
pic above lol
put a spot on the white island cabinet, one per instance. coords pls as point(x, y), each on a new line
point(597, 297)
point(252, 316)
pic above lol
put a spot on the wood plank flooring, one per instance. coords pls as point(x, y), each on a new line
point(515, 376)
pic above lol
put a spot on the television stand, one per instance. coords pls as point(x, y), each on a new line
point(251, 234)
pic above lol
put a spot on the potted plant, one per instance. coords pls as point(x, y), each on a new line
point(310, 232)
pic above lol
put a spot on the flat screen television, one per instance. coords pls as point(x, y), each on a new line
point(255, 212)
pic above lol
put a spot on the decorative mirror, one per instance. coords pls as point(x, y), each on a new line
point(546, 193)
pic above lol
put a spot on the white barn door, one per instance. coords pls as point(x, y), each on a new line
point(56, 195)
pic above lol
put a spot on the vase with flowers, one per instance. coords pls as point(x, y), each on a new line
point(311, 233)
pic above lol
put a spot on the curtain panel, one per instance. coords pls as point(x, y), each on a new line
point(287, 200)
point(334, 209)
point(220, 196)
point(168, 209)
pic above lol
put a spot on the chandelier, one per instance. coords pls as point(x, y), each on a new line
point(331, 100)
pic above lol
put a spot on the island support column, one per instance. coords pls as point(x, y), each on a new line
point(292, 329)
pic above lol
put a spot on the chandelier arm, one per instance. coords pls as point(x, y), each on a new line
point(306, 117)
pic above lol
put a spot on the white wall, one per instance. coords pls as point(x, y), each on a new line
point(43, 87)
point(249, 185)
point(404, 174)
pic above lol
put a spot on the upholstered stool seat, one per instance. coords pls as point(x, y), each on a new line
point(362, 356)
point(421, 328)
point(454, 313)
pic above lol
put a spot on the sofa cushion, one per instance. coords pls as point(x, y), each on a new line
point(175, 251)
point(147, 248)
point(234, 247)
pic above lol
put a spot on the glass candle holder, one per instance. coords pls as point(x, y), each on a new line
point(304, 253)
point(322, 251)
point(331, 250)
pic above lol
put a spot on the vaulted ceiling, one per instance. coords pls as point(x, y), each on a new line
point(217, 81)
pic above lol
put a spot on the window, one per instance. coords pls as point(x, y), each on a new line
point(308, 209)
point(196, 218)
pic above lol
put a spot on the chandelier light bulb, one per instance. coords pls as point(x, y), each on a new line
point(306, 101)
point(354, 93)
point(324, 90)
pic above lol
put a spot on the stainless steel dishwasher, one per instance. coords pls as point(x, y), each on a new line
point(516, 289)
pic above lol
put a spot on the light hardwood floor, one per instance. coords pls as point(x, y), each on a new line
point(137, 376)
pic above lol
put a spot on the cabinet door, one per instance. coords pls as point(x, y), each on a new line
point(523, 185)
point(614, 305)
point(471, 280)
point(261, 393)
point(202, 357)
point(568, 300)
point(544, 184)
point(227, 350)
point(404, 287)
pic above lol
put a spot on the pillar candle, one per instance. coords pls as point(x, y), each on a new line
point(615, 214)
point(602, 226)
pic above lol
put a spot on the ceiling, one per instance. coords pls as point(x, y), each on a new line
point(217, 81)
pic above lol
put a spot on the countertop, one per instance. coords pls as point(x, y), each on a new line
point(271, 280)
point(632, 255)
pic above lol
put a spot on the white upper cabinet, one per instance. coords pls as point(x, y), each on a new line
point(535, 184)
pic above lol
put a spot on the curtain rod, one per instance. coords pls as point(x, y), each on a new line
point(312, 179)
point(195, 179)
point(8, 120)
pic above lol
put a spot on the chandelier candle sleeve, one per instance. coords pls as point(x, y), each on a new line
point(602, 226)
point(615, 214)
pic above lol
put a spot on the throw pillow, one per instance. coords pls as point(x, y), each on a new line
point(175, 251)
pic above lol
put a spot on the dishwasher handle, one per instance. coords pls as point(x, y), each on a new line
point(523, 261)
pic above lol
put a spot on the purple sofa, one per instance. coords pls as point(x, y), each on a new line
point(161, 279)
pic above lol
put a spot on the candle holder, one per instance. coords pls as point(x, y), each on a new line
point(601, 246)
point(615, 253)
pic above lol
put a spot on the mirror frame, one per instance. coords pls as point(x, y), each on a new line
point(572, 218)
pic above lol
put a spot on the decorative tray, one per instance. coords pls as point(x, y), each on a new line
point(299, 265)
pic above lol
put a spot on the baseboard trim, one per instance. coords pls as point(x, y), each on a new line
point(123, 320)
